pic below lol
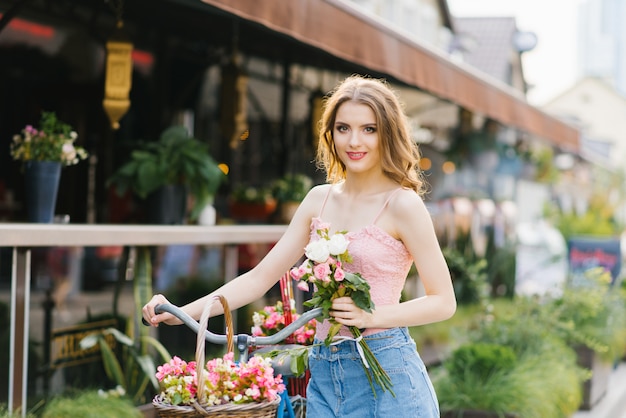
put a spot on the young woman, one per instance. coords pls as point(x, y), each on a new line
point(373, 192)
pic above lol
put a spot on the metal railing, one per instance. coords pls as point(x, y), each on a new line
point(23, 237)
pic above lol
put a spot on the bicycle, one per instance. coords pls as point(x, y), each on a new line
point(248, 344)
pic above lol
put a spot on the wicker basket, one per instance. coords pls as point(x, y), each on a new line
point(197, 410)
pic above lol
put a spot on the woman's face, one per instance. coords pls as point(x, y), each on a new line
point(356, 137)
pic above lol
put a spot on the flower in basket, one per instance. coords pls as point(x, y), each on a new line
point(253, 381)
point(271, 319)
point(225, 380)
point(52, 141)
point(178, 381)
point(324, 268)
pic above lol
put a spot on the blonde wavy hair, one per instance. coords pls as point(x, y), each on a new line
point(400, 155)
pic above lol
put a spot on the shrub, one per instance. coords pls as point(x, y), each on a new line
point(90, 404)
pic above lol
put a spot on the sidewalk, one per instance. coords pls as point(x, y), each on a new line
point(613, 404)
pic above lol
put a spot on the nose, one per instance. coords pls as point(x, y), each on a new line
point(354, 139)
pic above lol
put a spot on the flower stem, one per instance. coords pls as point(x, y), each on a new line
point(375, 372)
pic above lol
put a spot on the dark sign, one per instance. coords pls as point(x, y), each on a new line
point(65, 344)
point(587, 253)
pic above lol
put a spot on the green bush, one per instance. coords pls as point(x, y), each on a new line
point(543, 382)
point(90, 404)
point(4, 413)
point(592, 313)
point(481, 360)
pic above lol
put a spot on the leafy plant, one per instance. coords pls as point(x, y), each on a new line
point(544, 380)
point(133, 368)
point(176, 158)
point(5, 413)
point(52, 141)
point(291, 187)
point(592, 313)
point(468, 276)
point(88, 404)
point(250, 194)
point(481, 359)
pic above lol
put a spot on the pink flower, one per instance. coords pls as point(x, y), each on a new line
point(339, 274)
point(296, 273)
point(304, 286)
point(322, 271)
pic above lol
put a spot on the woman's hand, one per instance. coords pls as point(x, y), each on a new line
point(347, 313)
point(154, 319)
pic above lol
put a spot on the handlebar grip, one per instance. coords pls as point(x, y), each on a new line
point(157, 309)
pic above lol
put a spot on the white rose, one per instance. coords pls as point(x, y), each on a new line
point(317, 251)
point(338, 244)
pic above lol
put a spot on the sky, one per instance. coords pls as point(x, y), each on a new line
point(551, 67)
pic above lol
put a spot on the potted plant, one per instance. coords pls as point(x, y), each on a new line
point(591, 317)
point(252, 204)
point(177, 162)
point(44, 151)
point(289, 192)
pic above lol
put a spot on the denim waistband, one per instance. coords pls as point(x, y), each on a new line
point(390, 338)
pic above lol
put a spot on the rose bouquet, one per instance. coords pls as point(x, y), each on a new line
point(52, 141)
point(324, 268)
point(225, 380)
point(271, 319)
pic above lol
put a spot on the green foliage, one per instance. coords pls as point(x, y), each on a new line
point(53, 140)
point(543, 158)
point(592, 313)
point(5, 413)
point(176, 158)
point(451, 332)
point(90, 404)
point(133, 367)
point(291, 187)
point(599, 219)
point(543, 382)
point(250, 194)
point(468, 276)
point(480, 359)
point(132, 370)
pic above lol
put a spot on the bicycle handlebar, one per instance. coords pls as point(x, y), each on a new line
point(240, 339)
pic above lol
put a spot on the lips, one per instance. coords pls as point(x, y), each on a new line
point(356, 155)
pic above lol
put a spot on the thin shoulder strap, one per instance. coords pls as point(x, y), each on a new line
point(385, 204)
point(325, 199)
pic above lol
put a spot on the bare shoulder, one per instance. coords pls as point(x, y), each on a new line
point(314, 199)
point(406, 201)
point(408, 210)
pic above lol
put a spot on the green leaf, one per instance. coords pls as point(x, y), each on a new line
point(119, 336)
point(112, 366)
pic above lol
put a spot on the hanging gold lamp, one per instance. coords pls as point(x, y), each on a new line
point(118, 76)
point(234, 102)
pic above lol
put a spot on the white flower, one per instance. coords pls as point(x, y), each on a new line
point(338, 244)
point(68, 152)
point(317, 251)
point(257, 319)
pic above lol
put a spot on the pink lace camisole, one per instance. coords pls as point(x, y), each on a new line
point(381, 259)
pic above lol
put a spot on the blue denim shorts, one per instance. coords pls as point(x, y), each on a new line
point(339, 387)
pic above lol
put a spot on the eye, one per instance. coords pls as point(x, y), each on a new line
point(341, 128)
point(370, 129)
